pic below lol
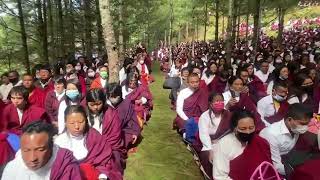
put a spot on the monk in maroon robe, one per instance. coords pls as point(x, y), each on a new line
point(129, 122)
point(36, 95)
point(218, 85)
point(307, 144)
point(45, 83)
point(256, 152)
point(111, 132)
point(100, 155)
point(194, 105)
point(12, 120)
point(65, 166)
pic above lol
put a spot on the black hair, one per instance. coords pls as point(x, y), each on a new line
point(237, 115)
point(233, 78)
point(45, 67)
point(127, 61)
point(72, 62)
point(40, 126)
point(299, 111)
point(277, 71)
point(114, 90)
point(208, 71)
point(77, 109)
point(212, 95)
point(15, 72)
point(21, 90)
point(131, 76)
point(94, 95)
point(224, 74)
point(280, 84)
point(185, 69)
point(59, 79)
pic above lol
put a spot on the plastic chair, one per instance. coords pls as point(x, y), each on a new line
point(261, 172)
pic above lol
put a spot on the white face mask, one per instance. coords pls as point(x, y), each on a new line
point(141, 61)
point(78, 68)
point(300, 129)
point(279, 98)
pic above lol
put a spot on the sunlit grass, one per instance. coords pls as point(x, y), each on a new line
point(162, 154)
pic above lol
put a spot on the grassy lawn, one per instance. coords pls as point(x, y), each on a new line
point(162, 154)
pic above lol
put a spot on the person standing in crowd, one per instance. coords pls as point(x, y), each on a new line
point(14, 78)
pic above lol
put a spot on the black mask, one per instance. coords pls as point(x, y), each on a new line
point(244, 137)
point(308, 89)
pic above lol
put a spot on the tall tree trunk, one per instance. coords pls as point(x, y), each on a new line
point(99, 29)
point(170, 33)
point(165, 38)
point(110, 41)
point(234, 20)
point(256, 23)
point(281, 12)
point(72, 27)
point(23, 37)
point(61, 36)
point(45, 33)
point(88, 36)
point(121, 42)
point(51, 31)
point(216, 37)
point(238, 25)
point(223, 25)
point(205, 21)
point(229, 32)
point(247, 24)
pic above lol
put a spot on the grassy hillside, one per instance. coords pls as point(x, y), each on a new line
point(161, 155)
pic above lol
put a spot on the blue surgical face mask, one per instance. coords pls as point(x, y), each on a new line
point(72, 94)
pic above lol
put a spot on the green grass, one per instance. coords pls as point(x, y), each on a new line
point(161, 155)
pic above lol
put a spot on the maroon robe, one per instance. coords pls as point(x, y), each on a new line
point(37, 97)
point(7, 153)
point(223, 129)
point(257, 90)
point(137, 94)
point(129, 121)
point(246, 103)
point(111, 132)
point(10, 119)
point(217, 85)
point(278, 116)
point(256, 152)
point(65, 166)
point(193, 107)
point(308, 143)
point(52, 105)
point(49, 87)
point(100, 155)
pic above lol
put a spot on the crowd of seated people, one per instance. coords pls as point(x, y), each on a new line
point(259, 107)
point(68, 122)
